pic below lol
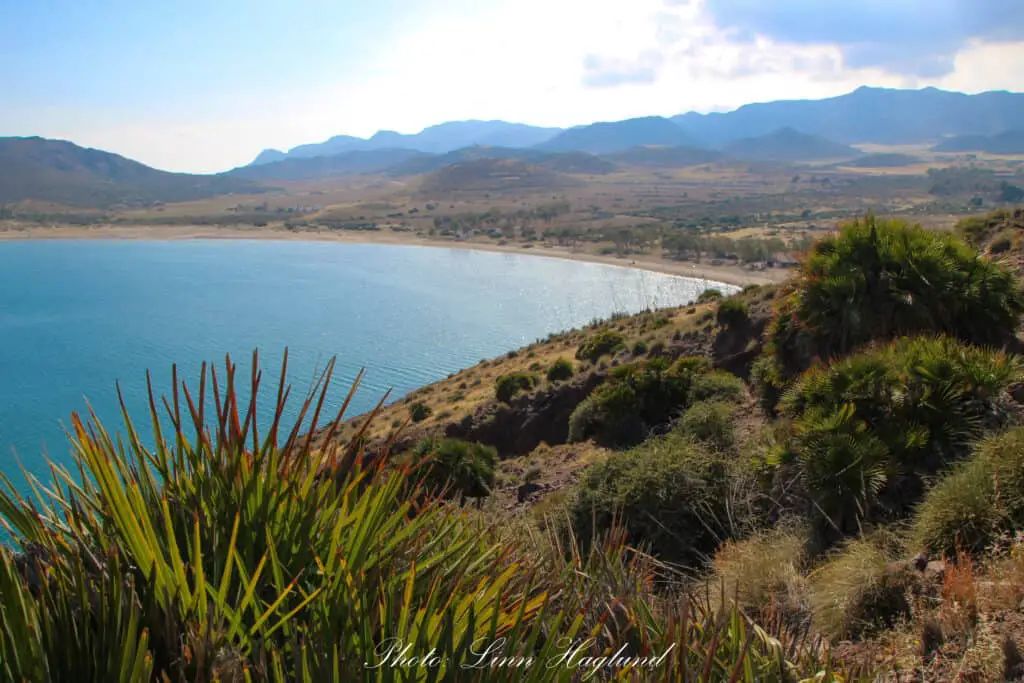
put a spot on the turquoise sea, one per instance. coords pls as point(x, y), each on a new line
point(78, 316)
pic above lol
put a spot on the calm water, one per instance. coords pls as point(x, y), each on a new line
point(76, 316)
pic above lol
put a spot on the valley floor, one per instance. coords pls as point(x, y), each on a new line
point(728, 274)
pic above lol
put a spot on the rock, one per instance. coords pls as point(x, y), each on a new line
point(735, 348)
point(524, 492)
point(1017, 392)
point(920, 562)
point(935, 571)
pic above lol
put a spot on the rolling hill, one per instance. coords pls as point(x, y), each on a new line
point(61, 172)
point(562, 162)
point(493, 175)
point(1007, 142)
point(607, 138)
point(665, 157)
point(786, 145)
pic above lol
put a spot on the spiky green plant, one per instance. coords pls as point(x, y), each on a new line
point(881, 279)
point(225, 553)
point(868, 429)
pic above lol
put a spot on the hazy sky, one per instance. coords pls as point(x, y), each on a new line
point(204, 85)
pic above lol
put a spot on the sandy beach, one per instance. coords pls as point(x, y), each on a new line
point(733, 275)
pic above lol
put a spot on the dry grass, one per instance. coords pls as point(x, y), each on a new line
point(858, 591)
point(959, 611)
point(764, 571)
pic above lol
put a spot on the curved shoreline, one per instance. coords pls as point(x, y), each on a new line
point(730, 275)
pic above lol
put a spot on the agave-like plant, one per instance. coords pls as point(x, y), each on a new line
point(235, 551)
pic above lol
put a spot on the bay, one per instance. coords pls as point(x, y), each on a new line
point(76, 316)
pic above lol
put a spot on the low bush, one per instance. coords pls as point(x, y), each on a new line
point(709, 295)
point(711, 424)
point(419, 411)
point(561, 370)
point(978, 502)
point(639, 348)
point(600, 344)
point(507, 386)
point(671, 496)
point(458, 468)
point(637, 398)
point(732, 313)
point(717, 386)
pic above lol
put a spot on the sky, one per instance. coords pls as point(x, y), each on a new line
point(204, 85)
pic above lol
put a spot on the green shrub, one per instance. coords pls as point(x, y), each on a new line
point(456, 467)
point(717, 386)
point(711, 424)
point(882, 279)
point(561, 370)
point(868, 430)
point(709, 295)
point(600, 344)
point(732, 313)
point(766, 383)
point(420, 411)
point(635, 399)
point(507, 386)
point(692, 365)
point(639, 348)
point(977, 502)
point(670, 496)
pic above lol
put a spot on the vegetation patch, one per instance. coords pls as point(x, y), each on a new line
point(600, 344)
point(866, 431)
point(636, 399)
point(671, 495)
point(977, 503)
point(561, 370)
point(881, 279)
point(455, 468)
point(711, 424)
point(507, 386)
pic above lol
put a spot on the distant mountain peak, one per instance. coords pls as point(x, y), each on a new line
point(268, 156)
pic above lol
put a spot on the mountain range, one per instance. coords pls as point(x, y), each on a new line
point(776, 132)
point(866, 115)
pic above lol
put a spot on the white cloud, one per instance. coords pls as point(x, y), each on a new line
point(518, 60)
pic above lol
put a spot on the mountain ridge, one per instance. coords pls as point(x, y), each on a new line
point(865, 115)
